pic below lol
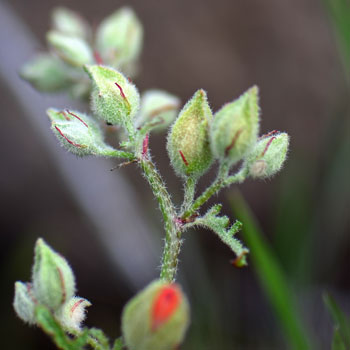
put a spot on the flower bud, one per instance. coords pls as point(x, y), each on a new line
point(23, 303)
point(158, 108)
point(53, 279)
point(114, 98)
point(235, 127)
point(69, 22)
point(73, 313)
point(78, 133)
point(119, 38)
point(188, 140)
point(268, 155)
point(46, 73)
point(73, 50)
point(156, 318)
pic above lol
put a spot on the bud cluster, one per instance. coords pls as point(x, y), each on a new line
point(52, 286)
point(117, 42)
point(230, 135)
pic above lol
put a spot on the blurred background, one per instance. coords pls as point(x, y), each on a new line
point(295, 54)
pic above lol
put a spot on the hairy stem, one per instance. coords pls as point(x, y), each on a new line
point(222, 180)
point(119, 154)
point(173, 240)
point(189, 190)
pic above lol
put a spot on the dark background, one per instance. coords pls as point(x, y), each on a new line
point(290, 51)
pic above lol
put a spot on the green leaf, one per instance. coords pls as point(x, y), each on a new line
point(342, 325)
point(219, 225)
point(271, 277)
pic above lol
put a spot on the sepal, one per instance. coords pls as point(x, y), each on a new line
point(73, 313)
point(24, 302)
point(78, 133)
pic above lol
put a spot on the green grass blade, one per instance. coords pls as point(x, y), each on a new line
point(342, 326)
point(339, 11)
point(271, 277)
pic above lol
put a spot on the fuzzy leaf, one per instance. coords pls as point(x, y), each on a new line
point(220, 225)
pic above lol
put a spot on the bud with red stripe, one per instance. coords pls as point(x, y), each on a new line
point(156, 318)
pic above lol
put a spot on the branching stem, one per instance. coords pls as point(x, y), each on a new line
point(173, 232)
point(222, 180)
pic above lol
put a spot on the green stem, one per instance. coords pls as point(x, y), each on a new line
point(119, 154)
point(210, 191)
point(189, 190)
point(173, 240)
point(236, 178)
point(221, 181)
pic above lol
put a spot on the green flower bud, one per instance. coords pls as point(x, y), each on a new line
point(69, 22)
point(114, 98)
point(188, 139)
point(73, 313)
point(53, 279)
point(24, 303)
point(119, 38)
point(73, 50)
point(158, 108)
point(268, 155)
point(78, 133)
point(156, 318)
point(46, 73)
point(235, 128)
